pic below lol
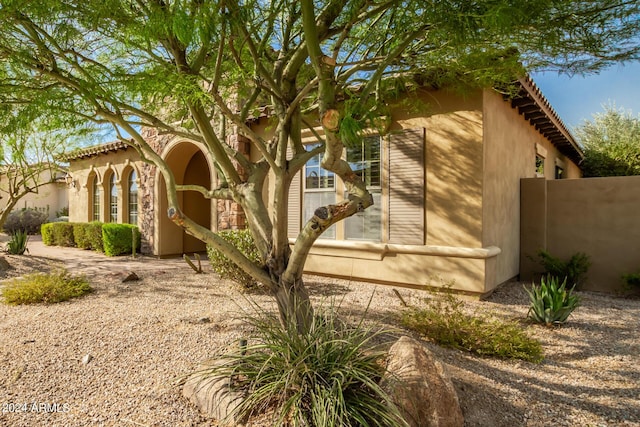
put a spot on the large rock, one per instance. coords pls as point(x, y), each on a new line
point(4, 265)
point(212, 395)
point(420, 387)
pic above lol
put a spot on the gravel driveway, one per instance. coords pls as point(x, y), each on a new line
point(143, 336)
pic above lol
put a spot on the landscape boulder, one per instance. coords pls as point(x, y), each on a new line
point(420, 387)
point(212, 395)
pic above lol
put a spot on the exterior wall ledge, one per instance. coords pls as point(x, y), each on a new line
point(378, 251)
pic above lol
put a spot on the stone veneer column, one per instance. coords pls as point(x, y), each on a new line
point(230, 214)
point(147, 196)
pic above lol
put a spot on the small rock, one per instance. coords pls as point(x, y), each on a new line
point(86, 359)
point(4, 265)
point(132, 277)
point(204, 320)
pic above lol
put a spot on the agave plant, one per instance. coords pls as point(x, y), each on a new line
point(551, 303)
point(18, 243)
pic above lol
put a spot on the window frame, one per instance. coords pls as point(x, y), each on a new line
point(373, 189)
point(95, 199)
point(113, 198)
point(331, 233)
point(340, 233)
point(132, 197)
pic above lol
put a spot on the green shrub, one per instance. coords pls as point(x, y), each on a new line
point(94, 235)
point(444, 321)
point(574, 270)
point(17, 245)
point(46, 288)
point(80, 235)
point(551, 303)
point(27, 220)
point(631, 280)
point(63, 234)
point(226, 268)
point(117, 238)
point(47, 233)
point(328, 376)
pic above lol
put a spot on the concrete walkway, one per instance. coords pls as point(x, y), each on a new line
point(95, 263)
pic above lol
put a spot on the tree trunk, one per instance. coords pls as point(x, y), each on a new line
point(294, 306)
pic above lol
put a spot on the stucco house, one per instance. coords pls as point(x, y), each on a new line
point(445, 178)
point(50, 197)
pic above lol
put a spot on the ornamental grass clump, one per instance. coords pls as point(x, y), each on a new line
point(328, 376)
point(551, 302)
point(443, 320)
point(45, 288)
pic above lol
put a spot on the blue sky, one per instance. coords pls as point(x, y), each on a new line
point(577, 98)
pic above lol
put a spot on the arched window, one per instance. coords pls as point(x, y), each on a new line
point(132, 197)
point(95, 202)
point(113, 199)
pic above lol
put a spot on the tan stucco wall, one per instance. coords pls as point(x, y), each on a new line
point(509, 154)
point(453, 204)
point(597, 216)
point(453, 148)
point(49, 199)
point(119, 162)
point(411, 270)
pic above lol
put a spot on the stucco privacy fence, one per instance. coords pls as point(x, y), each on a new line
point(597, 216)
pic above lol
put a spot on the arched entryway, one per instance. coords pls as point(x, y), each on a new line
point(189, 166)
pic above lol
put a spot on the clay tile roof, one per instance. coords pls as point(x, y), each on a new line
point(95, 150)
point(532, 104)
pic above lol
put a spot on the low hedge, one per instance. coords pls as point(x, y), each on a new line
point(88, 235)
point(94, 234)
point(57, 234)
point(46, 230)
point(112, 239)
point(118, 238)
point(80, 235)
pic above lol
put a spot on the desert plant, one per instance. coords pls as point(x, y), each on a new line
point(27, 220)
point(551, 302)
point(574, 270)
point(117, 239)
point(443, 320)
point(64, 211)
point(631, 280)
point(226, 268)
point(17, 245)
point(327, 376)
point(135, 241)
point(45, 288)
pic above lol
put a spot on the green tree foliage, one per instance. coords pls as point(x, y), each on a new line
point(30, 149)
point(611, 142)
point(199, 69)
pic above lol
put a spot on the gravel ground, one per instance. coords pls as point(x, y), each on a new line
point(143, 336)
